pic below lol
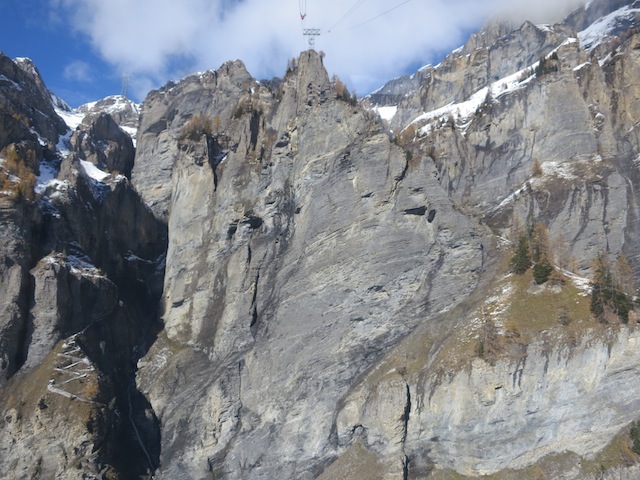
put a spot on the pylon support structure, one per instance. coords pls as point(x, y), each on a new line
point(312, 33)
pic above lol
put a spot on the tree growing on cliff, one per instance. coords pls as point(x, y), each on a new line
point(607, 297)
point(521, 260)
point(16, 177)
point(541, 271)
point(547, 65)
point(540, 251)
point(624, 275)
point(342, 92)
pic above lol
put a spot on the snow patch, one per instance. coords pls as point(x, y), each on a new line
point(557, 169)
point(387, 113)
point(132, 132)
point(63, 143)
point(59, 104)
point(582, 283)
point(11, 82)
point(594, 34)
point(463, 111)
point(77, 261)
point(94, 172)
point(510, 198)
point(581, 66)
point(46, 178)
point(72, 118)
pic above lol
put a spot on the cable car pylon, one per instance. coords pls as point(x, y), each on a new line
point(311, 33)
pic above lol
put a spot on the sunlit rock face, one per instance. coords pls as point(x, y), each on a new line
point(272, 280)
point(298, 254)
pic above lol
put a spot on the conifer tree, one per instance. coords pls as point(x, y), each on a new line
point(521, 260)
point(607, 295)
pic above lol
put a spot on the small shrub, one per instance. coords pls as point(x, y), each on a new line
point(547, 65)
point(563, 317)
point(536, 169)
point(451, 122)
point(5, 183)
point(541, 271)
point(407, 136)
point(634, 433)
point(196, 127)
point(15, 165)
point(217, 124)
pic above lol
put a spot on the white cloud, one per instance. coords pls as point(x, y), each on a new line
point(157, 40)
point(78, 71)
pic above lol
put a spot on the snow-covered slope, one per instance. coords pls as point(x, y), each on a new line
point(613, 24)
point(125, 113)
point(437, 89)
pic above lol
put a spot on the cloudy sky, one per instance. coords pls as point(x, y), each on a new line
point(85, 48)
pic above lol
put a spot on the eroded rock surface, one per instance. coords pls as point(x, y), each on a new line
point(307, 251)
point(288, 287)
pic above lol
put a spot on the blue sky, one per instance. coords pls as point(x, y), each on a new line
point(84, 48)
point(29, 29)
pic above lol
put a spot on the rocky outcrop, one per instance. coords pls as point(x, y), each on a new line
point(504, 154)
point(81, 277)
point(19, 223)
point(493, 417)
point(56, 418)
point(284, 288)
point(550, 402)
point(101, 141)
point(165, 112)
point(308, 250)
point(495, 52)
point(124, 112)
point(26, 106)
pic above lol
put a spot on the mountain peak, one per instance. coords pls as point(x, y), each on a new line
point(286, 286)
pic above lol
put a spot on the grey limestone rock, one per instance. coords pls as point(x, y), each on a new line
point(26, 104)
point(286, 289)
point(101, 141)
point(80, 277)
point(164, 113)
point(295, 268)
point(124, 112)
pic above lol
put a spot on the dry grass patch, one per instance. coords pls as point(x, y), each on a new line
point(356, 463)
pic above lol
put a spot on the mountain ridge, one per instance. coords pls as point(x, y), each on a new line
point(275, 282)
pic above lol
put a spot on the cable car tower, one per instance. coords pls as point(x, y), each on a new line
point(310, 33)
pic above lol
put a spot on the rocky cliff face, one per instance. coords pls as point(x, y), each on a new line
point(80, 282)
point(282, 285)
point(269, 218)
point(502, 152)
